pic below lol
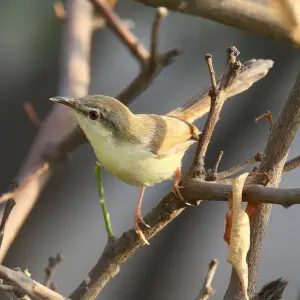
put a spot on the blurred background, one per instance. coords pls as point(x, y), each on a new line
point(68, 219)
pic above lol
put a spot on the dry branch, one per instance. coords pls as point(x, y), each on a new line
point(17, 282)
point(53, 263)
point(207, 289)
point(245, 15)
point(276, 152)
point(218, 95)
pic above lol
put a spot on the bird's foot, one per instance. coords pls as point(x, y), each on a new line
point(139, 219)
point(177, 193)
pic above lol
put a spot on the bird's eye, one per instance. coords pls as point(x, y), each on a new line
point(93, 115)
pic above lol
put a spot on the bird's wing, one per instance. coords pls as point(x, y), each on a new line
point(252, 71)
point(168, 135)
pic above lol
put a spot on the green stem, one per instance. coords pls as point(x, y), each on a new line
point(105, 212)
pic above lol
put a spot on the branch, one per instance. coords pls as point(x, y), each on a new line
point(272, 290)
point(20, 282)
point(245, 15)
point(117, 251)
point(276, 152)
point(9, 205)
point(218, 95)
point(207, 289)
point(53, 262)
point(228, 173)
point(292, 164)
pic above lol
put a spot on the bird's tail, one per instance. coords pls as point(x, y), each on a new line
point(252, 71)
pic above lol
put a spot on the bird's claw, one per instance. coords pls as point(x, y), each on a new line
point(177, 193)
point(139, 219)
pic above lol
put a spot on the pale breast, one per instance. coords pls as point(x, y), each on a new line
point(135, 165)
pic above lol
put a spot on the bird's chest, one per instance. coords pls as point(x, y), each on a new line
point(131, 162)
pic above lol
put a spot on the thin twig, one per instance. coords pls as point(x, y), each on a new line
point(53, 262)
point(125, 35)
point(7, 210)
point(212, 75)
point(228, 173)
point(108, 227)
point(161, 13)
point(22, 283)
point(218, 96)
point(207, 289)
point(292, 164)
point(31, 114)
point(219, 158)
point(38, 173)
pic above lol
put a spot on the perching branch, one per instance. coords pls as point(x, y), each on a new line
point(276, 152)
point(207, 290)
point(118, 250)
point(245, 15)
point(20, 282)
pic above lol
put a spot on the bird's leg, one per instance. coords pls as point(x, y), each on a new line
point(176, 187)
point(139, 218)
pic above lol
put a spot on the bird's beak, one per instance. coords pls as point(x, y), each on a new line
point(64, 100)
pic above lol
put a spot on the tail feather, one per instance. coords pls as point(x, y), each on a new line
point(252, 71)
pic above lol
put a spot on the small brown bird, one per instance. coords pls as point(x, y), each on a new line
point(145, 149)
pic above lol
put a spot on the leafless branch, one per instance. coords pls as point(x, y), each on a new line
point(272, 290)
point(292, 164)
point(245, 15)
point(126, 36)
point(117, 251)
point(207, 289)
point(29, 179)
point(17, 282)
point(276, 152)
point(228, 173)
point(9, 205)
point(31, 114)
point(218, 96)
point(53, 262)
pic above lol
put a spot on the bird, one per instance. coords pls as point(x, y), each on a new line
point(145, 149)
